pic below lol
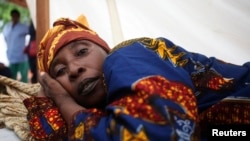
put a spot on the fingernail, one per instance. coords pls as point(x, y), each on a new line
point(42, 73)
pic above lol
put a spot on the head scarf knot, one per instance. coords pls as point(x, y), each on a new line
point(63, 32)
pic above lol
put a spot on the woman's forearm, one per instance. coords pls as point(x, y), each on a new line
point(67, 107)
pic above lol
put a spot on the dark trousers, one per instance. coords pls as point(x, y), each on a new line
point(33, 68)
point(5, 71)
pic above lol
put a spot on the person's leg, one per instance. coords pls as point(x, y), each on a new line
point(24, 69)
point(14, 70)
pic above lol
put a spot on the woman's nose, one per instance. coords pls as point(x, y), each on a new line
point(75, 70)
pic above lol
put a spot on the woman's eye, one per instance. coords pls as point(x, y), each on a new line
point(82, 52)
point(60, 72)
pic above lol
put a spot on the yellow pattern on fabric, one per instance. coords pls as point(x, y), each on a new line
point(127, 42)
point(128, 136)
point(166, 52)
point(121, 110)
point(79, 131)
point(159, 47)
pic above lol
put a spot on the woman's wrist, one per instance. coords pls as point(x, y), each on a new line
point(67, 107)
point(61, 100)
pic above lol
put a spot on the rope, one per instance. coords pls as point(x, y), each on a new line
point(12, 110)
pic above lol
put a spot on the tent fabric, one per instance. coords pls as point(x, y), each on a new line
point(212, 27)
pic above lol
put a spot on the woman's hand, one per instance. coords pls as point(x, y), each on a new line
point(41, 93)
point(53, 89)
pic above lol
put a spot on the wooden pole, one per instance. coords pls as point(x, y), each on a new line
point(42, 18)
point(115, 22)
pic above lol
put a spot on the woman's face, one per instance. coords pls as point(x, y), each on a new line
point(78, 68)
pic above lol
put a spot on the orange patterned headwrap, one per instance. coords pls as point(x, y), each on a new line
point(63, 32)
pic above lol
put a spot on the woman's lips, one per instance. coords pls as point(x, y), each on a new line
point(87, 86)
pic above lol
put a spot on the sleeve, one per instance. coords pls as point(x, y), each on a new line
point(215, 74)
point(207, 72)
point(82, 127)
point(221, 88)
point(46, 123)
point(213, 79)
point(5, 31)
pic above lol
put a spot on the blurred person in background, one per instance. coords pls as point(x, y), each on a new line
point(31, 52)
point(15, 36)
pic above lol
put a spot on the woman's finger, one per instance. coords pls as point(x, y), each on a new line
point(51, 87)
point(47, 81)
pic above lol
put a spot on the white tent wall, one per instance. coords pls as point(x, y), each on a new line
point(217, 28)
point(213, 27)
point(96, 12)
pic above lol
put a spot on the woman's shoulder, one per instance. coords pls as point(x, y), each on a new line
point(129, 42)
